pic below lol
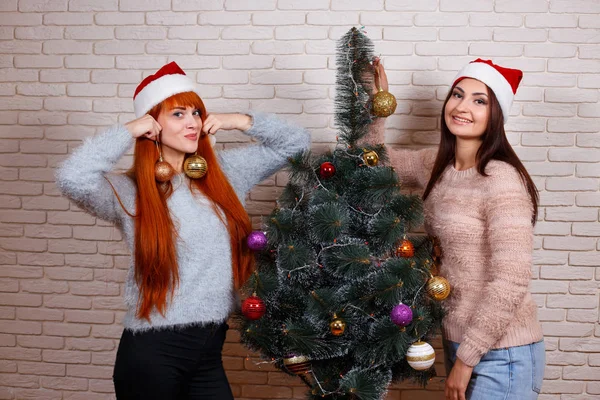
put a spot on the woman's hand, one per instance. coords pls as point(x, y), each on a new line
point(381, 81)
point(144, 126)
point(458, 380)
point(214, 122)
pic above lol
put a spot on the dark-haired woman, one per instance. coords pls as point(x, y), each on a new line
point(186, 232)
point(482, 205)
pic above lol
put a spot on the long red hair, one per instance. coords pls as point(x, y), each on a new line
point(156, 268)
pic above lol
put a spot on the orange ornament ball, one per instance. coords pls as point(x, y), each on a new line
point(405, 249)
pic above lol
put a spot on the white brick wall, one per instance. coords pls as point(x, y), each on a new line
point(68, 68)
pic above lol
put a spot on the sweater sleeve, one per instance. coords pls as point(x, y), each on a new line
point(510, 234)
point(412, 166)
point(277, 141)
point(83, 175)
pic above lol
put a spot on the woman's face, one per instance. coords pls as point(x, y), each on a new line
point(467, 111)
point(181, 128)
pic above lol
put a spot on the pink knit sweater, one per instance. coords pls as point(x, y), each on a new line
point(486, 235)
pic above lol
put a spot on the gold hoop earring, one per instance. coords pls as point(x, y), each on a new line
point(163, 171)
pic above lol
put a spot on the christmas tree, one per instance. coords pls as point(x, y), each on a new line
point(342, 291)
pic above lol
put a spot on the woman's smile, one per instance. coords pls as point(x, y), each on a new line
point(461, 121)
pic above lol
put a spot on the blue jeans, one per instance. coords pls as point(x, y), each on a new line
point(513, 373)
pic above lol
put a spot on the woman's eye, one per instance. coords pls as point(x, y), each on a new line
point(457, 95)
point(197, 112)
point(177, 114)
point(480, 102)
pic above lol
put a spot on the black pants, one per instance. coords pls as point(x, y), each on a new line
point(177, 363)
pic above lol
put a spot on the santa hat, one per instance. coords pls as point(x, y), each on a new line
point(503, 81)
point(166, 82)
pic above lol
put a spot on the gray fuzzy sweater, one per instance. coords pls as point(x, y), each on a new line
point(205, 292)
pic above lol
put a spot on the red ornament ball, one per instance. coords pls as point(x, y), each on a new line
point(253, 308)
point(327, 170)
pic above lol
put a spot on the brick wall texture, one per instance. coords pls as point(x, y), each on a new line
point(68, 69)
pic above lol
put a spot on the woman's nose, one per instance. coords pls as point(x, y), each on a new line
point(461, 106)
point(191, 122)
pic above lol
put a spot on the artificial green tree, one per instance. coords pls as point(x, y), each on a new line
point(334, 267)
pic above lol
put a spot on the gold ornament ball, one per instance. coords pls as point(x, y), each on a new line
point(297, 364)
point(384, 104)
point(195, 166)
point(337, 327)
point(438, 288)
point(371, 158)
point(163, 171)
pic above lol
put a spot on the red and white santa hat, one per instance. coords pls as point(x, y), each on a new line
point(502, 81)
point(166, 82)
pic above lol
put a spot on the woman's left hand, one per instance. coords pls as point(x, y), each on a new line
point(458, 380)
point(380, 78)
point(214, 122)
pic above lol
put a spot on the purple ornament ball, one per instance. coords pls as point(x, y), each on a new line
point(401, 315)
point(257, 241)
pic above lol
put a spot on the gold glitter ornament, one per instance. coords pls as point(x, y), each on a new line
point(163, 171)
point(195, 166)
point(337, 327)
point(297, 364)
point(438, 287)
point(384, 103)
point(371, 158)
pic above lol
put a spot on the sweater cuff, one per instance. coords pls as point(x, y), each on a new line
point(468, 353)
point(259, 122)
point(280, 135)
point(114, 142)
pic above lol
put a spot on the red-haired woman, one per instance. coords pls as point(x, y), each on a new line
point(186, 234)
point(482, 205)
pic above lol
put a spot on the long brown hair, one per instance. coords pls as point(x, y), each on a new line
point(494, 146)
point(156, 268)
